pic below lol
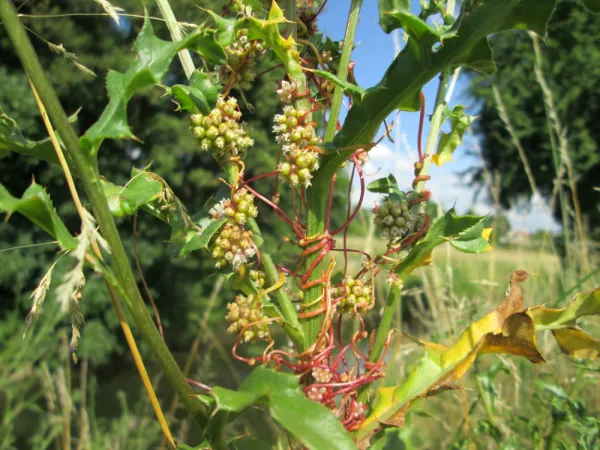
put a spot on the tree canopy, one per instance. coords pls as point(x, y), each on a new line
point(571, 67)
point(168, 145)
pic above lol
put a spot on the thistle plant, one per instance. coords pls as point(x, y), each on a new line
point(323, 378)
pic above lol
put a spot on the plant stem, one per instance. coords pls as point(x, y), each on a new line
point(172, 25)
point(434, 130)
point(315, 221)
point(291, 325)
point(86, 166)
point(338, 93)
point(124, 325)
point(139, 363)
point(391, 301)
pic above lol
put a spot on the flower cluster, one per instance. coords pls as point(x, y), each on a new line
point(321, 375)
point(394, 219)
point(316, 394)
point(233, 246)
point(242, 313)
point(241, 60)
point(238, 209)
point(353, 295)
point(220, 132)
point(296, 137)
point(286, 91)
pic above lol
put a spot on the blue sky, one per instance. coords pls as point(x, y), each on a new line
point(372, 56)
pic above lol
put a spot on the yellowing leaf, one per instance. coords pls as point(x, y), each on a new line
point(509, 329)
point(487, 232)
point(577, 343)
point(563, 323)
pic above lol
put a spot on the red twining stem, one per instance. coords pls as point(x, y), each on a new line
point(360, 200)
point(258, 177)
point(347, 218)
point(316, 262)
point(278, 210)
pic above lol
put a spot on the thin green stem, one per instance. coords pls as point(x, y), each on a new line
point(383, 329)
point(88, 170)
point(434, 129)
point(315, 221)
point(291, 325)
point(173, 26)
point(338, 93)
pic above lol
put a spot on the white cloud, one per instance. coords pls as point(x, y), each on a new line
point(446, 188)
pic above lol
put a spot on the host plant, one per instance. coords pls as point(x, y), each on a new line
point(317, 384)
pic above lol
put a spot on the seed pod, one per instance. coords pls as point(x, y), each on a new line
point(353, 294)
point(233, 246)
point(394, 219)
point(241, 61)
point(244, 312)
point(220, 131)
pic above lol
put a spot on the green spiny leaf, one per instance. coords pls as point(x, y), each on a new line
point(387, 185)
point(12, 140)
point(460, 231)
point(36, 205)
point(417, 64)
point(268, 31)
point(387, 8)
point(201, 94)
point(153, 59)
point(225, 28)
point(200, 241)
point(126, 200)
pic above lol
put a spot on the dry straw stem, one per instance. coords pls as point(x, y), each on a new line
point(515, 139)
point(563, 145)
point(175, 30)
point(86, 218)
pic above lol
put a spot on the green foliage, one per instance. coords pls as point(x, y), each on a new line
point(201, 94)
point(154, 57)
point(465, 233)
point(568, 64)
point(12, 140)
point(387, 185)
point(35, 204)
point(309, 422)
point(201, 240)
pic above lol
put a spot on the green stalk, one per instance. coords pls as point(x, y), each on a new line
point(317, 196)
point(338, 93)
point(391, 301)
point(291, 325)
point(88, 170)
point(394, 293)
point(434, 129)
